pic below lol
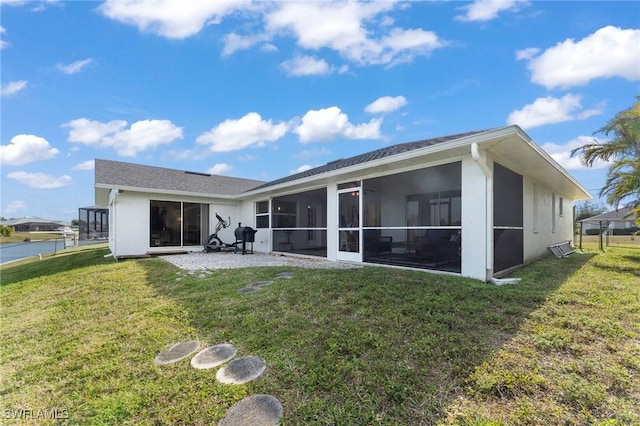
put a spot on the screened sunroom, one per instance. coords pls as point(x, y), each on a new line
point(413, 218)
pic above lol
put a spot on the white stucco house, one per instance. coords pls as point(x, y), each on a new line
point(475, 204)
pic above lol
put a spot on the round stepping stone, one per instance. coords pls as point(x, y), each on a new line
point(259, 409)
point(213, 356)
point(241, 370)
point(177, 352)
point(283, 277)
point(248, 289)
point(285, 274)
point(261, 283)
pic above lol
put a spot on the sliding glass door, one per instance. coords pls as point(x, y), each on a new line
point(176, 224)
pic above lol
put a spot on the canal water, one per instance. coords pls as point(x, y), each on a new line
point(15, 251)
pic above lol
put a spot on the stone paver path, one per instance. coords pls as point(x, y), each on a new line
point(241, 370)
point(263, 410)
point(177, 352)
point(214, 356)
point(259, 409)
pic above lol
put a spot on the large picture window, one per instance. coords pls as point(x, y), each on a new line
point(175, 224)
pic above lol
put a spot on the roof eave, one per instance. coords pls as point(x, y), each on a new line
point(162, 191)
point(420, 152)
point(521, 133)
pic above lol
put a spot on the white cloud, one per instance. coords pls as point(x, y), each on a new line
point(14, 207)
point(12, 2)
point(301, 169)
point(247, 157)
point(3, 44)
point(486, 10)
point(330, 123)
point(39, 6)
point(352, 30)
point(25, 149)
point(311, 153)
point(40, 180)
point(142, 135)
point(85, 165)
point(219, 169)
point(386, 104)
point(13, 87)
point(305, 66)
point(527, 53)
point(234, 42)
point(551, 110)
point(74, 67)
point(609, 52)
point(176, 19)
point(562, 153)
point(250, 130)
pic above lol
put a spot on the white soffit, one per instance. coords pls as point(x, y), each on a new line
point(524, 156)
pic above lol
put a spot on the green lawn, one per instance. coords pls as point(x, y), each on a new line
point(346, 347)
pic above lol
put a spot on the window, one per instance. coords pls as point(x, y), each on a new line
point(561, 206)
point(174, 224)
point(536, 213)
point(553, 212)
point(262, 214)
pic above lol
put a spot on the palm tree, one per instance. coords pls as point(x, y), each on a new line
point(623, 177)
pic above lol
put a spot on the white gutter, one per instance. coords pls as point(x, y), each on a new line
point(121, 189)
point(482, 163)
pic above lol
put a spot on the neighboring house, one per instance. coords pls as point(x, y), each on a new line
point(35, 224)
point(475, 204)
point(623, 218)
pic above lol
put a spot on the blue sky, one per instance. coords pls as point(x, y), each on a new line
point(264, 89)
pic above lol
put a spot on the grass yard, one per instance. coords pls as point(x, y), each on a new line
point(344, 347)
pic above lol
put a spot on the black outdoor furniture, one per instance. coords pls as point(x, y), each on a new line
point(244, 235)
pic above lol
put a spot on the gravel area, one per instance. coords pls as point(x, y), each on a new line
point(200, 261)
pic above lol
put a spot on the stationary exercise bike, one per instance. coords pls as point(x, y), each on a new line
point(214, 243)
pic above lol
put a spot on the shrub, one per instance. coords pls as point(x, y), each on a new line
point(624, 231)
point(6, 231)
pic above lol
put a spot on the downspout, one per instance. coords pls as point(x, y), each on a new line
point(481, 162)
point(112, 217)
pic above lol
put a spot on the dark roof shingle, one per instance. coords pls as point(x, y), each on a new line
point(369, 156)
point(118, 174)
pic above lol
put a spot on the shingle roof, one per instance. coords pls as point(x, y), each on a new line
point(118, 174)
point(32, 220)
point(369, 156)
point(126, 175)
point(622, 214)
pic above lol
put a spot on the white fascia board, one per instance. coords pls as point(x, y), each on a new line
point(427, 150)
point(163, 191)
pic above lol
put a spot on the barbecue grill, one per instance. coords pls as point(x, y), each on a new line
point(244, 235)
